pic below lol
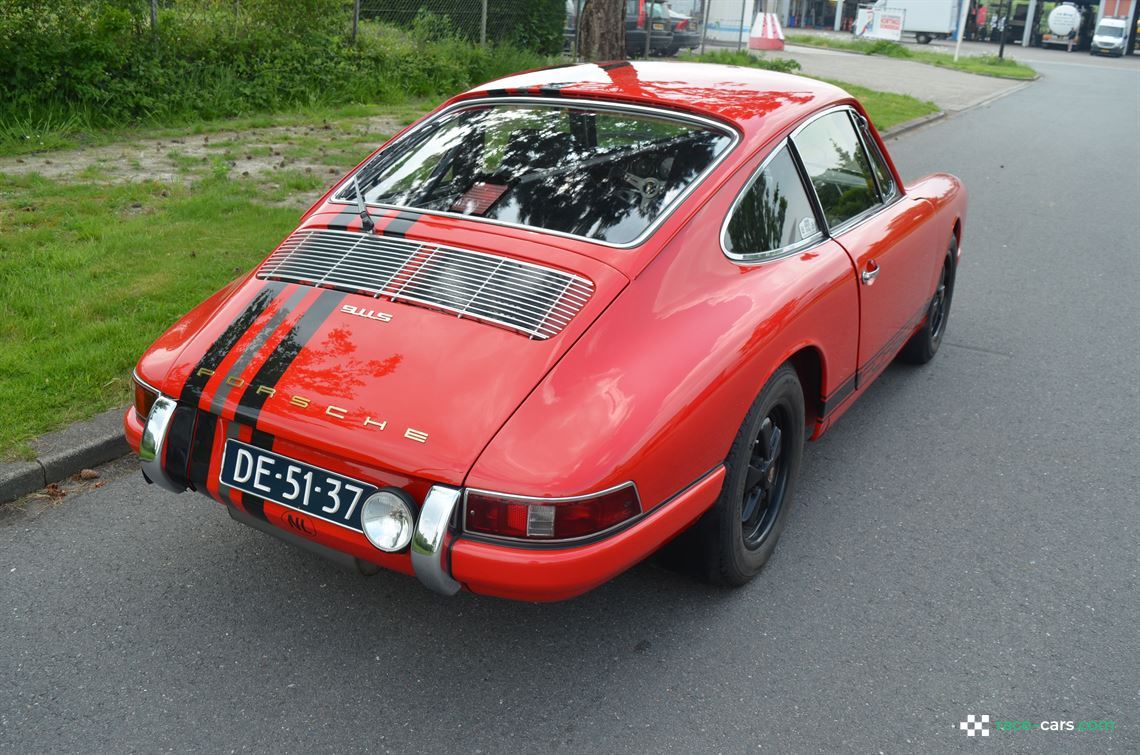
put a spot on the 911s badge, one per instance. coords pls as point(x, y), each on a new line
point(370, 314)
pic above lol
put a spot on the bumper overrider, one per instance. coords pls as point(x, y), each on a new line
point(446, 559)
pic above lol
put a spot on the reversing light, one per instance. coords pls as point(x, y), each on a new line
point(145, 397)
point(549, 518)
point(387, 520)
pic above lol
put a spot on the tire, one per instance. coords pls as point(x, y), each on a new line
point(924, 344)
point(736, 537)
point(922, 39)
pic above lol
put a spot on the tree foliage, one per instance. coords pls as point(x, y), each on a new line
point(101, 63)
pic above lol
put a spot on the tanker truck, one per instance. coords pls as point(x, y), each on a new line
point(1064, 23)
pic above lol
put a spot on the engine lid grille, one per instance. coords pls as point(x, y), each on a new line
point(532, 299)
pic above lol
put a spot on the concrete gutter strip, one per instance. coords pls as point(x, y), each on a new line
point(911, 125)
point(65, 452)
point(20, 478)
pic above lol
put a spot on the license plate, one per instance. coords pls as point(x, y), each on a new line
point(295, 484)
point(658, 27)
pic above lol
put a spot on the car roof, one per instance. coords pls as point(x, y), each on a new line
point(757, 102)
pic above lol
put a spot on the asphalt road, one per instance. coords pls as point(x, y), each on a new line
point(966, 543)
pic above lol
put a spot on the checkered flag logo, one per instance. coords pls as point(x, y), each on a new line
point(974, 724)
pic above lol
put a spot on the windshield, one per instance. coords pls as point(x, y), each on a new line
point(1110, 31)
point(606, 175)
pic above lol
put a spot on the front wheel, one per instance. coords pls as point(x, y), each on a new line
point(924, 344)
point(737, 536)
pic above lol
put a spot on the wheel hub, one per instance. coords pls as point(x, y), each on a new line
point(764, 484)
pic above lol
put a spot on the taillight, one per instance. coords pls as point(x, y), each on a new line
point(144, 399)
point(682, 24)
point(549, 518)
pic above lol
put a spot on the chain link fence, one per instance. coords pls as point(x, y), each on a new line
point(483, 21)
point(542, 25)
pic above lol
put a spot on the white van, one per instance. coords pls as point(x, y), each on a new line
point(1110, 37)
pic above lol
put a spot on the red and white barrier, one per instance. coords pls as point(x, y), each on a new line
point(766, 33)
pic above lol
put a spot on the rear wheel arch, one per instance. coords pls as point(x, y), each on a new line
point(808, 363)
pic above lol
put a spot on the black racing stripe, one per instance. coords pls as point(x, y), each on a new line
point(196, 383)
point(837, 396)
point(615, 65)
point(262, 439)
point(179, 439)
point(249, 407)
point(204, 432)
point(891, 348)
point(250, 502)
point(344, 219)
point(401, 224)
point(253, 505)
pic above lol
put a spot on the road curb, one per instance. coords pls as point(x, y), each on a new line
point(65, 452)
point(911, 125)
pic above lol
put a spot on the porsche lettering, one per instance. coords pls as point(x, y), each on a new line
point(304, 402)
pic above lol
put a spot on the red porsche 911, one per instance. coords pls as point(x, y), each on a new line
point(565, 319)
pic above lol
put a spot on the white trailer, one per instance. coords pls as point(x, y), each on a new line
point(926, 19)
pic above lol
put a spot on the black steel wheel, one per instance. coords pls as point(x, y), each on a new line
point(766, 480)
point(737, 536)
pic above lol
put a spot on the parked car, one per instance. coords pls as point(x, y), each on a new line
point(568, 317)
point(1110, 37)
point(686, 36)
point(640, 16)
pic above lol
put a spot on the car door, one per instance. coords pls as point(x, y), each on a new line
point(870, 217)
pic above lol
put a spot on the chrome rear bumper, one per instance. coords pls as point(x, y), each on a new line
point(430, 538)
point(152, 448)
point(429, 541)
point(429, 558)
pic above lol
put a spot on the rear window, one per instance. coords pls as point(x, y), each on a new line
point(606, 175)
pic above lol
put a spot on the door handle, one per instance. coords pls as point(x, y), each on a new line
point(870, 273)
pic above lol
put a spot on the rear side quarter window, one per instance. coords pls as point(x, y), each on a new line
point(839, 169)
point(773, 216)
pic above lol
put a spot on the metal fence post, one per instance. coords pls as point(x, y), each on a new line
point(648, 25)
point(482, 25)
point(740, 34)
point(355, 19)
point(705, 24)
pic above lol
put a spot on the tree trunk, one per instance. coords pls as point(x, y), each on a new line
point(601, 30)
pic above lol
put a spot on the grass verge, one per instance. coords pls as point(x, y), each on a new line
point(983, 65)
point(886, 109)
point(90, 274)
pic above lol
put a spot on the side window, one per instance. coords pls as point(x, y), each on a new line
point(774, 213)
point(882, 172)
point(838, 167)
